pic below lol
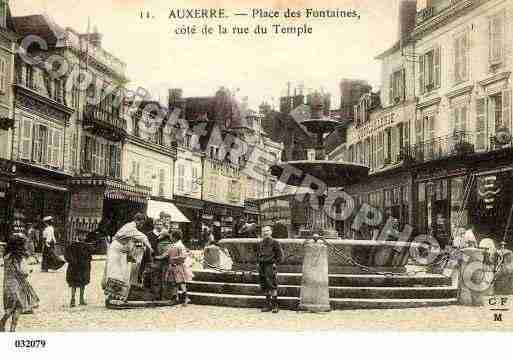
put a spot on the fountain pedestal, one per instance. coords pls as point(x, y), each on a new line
point(315, 293)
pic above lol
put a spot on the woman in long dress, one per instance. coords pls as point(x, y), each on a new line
point(19, 296)
point(50, 260)
point(116, 284)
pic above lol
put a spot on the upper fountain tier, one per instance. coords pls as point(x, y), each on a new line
point(332, 173)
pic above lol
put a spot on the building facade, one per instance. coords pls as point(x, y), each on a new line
point(8, 42)
point(439, 144)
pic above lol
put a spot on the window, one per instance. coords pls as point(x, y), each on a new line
point(461, 50)
point(397, 87)
point(181, 178)
point(480, 124)
point(367, 152)
point(496, 25)
point(3, 13)
point(73, 154)
point(429, 71)
point(41, 144)
point(58, 91)
point(162, 181)
point(380, 149)
point(500, 110)
point(135, 173)
point(195, 180)
point(75, 97)
point(460, 114)
point(3, 72)
point(429, 146)
point(28, 77)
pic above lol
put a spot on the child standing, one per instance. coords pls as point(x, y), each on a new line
point(78, 274)
point(177, 271)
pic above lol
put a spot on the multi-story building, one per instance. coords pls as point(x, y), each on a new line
point(149, 154)
point(43, 128)
point(7, 54)
point(439, 145)
point(188, 186)
point(67, 141)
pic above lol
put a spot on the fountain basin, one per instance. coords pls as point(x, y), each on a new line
point(389, 256)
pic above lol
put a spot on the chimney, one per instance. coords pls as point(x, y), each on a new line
point(176, 100)
point(407, 17)
point(96, 38)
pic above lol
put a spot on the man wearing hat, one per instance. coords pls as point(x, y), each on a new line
point(269, 254)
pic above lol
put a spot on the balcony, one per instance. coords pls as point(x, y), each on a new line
point(106, 124)
point(457, 144)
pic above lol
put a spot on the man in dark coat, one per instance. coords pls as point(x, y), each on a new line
point(78, 274)
point(269, 254)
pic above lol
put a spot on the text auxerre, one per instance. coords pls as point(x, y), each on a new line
point(197, 13)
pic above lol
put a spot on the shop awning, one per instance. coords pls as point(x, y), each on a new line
point(155, 207)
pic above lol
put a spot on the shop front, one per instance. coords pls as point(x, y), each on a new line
point(102, 202)
point(440, 197)
point(222, 218)
point(7, 170)
point(389, 192)
point(477, 192)
point(283, 214)
point(192, 208)
point(37, 193)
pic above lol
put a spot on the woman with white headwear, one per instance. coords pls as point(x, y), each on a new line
point(50, 259)
point(116, 283)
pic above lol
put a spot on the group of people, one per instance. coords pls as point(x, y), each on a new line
point(161, 261)
point(19, 297)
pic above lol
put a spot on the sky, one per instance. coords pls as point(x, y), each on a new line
point(254, 66)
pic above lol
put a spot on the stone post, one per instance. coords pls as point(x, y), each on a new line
point(475, 277)
point(315, 296)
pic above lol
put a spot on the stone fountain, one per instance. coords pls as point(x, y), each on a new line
point(355, 267)
point(390, 255)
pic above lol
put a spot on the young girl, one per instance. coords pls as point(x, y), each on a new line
point(19, 296)
point(78, 274)
point(177, 271)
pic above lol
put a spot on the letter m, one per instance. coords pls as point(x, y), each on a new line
point(497, 317)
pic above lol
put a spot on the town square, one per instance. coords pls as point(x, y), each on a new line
point(176, 189)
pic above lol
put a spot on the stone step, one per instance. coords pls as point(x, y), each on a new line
point(335, 280)
point(335, 292)
point(350, 303)
point(248, 301)
point(238, 300)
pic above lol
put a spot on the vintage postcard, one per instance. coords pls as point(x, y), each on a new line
point(276, 165)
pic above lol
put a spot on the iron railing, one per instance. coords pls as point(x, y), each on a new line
point(457, 144)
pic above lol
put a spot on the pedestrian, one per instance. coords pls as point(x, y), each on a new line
point(50, 259)
point(116, 281)
point(19, 296)
point(441, 231)
point(32, 242)
point(269, 254)
point(177, 271)
point(78, 274)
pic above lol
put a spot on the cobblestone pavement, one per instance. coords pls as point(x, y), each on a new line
point(55, 315)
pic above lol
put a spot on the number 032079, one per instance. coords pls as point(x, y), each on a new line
point(30, 343)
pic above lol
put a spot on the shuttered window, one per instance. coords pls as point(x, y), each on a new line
point(3, 75)
point(461, 58)
point(430, 70)
point(481, 124)
point(496, 26)
point(26, 138)
point(162, 182)
point(181, 178)
point(506, 109)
